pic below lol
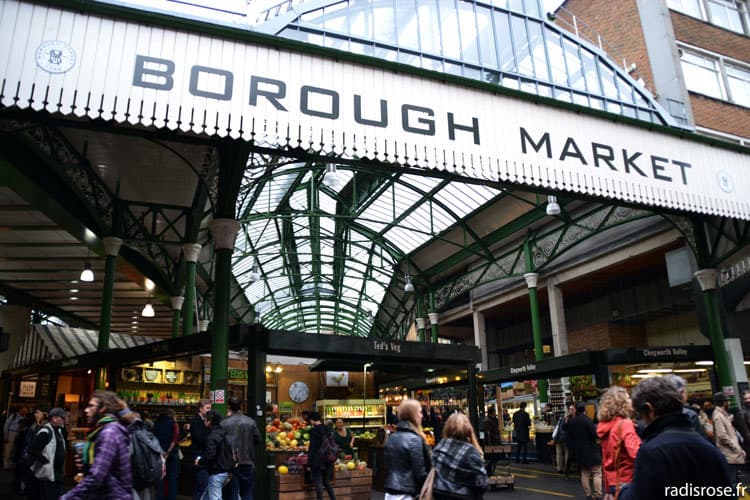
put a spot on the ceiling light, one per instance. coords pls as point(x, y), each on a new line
point(269, 369)
point(87, 274)
point(74, 290)
point(704, 363)
point(691, 370)
point(331, 177)
point(74, 298)
point(148, 310)
point(149, 284)
point(655, 370)
point(278, 368)
point(645, 375)
point(408, 286)
point(553, 208)
point(254, 273)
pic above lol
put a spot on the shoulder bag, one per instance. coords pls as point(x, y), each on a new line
point(426, 491)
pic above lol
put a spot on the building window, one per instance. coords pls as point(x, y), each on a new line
point(714, 76)
point(727, 14)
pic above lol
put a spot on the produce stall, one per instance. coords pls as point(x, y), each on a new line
point(351, 481)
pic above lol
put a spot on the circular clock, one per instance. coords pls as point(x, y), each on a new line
point(299, 392)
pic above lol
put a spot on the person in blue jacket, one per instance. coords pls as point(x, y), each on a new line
point(674, 461)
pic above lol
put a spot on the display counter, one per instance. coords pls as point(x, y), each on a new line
point(347, 485)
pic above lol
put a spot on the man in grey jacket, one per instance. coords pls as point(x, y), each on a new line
point(246, 437)
point(47, 450)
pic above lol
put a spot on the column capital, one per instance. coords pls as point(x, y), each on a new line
point(203, 325)
point(112, 245)
point(433, 318)
point(224, 232)
point(420, 323)
point(191, 251)
point(176, 302)
point(531, 279)
point(706, 278)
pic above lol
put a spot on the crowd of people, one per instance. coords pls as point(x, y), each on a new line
point(641, 445)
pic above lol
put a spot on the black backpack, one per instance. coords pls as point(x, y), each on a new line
point(145, 457)
point(329, 450)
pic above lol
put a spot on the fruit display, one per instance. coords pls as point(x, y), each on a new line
point(291, 434)
point(365, 436)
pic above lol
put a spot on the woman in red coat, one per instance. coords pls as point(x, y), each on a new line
point(619, 440)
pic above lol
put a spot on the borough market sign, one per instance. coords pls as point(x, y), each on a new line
point(83, 64)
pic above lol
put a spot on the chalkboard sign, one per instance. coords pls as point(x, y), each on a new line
point(42, 389)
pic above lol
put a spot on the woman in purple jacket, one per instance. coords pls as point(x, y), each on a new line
point(106, 456)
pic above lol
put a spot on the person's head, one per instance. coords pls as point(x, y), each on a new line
point(411, 411)
point(571, 410)
point(40, 417)
point(491, 412)
point(656, 397)
point(103, 403)
point(339, 423)
point(523, 405)
point(746, 398)
point(171, 413)
point(23, 411)
point(315, 418)
point(580, 408)
point(57, 417)
point(615, 403)
point(721, 400)
point(459, 427)
point(213, 418)
point(680, 384)
point(235, 404)
point(204, 406)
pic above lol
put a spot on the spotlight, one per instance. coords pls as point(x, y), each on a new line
point(408, 286)
point(87, 274)
point(553, 208)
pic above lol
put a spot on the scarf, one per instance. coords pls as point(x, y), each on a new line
point(89, 447)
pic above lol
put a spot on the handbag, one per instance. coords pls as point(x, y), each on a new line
point(426, 492)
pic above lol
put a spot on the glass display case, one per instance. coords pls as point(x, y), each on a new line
point(356, 413)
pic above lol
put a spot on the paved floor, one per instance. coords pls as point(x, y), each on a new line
point(532, 482)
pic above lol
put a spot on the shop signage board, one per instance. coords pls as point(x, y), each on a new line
point(27, 389)
point(571, 364)
point(83, 64)
point(658, 353)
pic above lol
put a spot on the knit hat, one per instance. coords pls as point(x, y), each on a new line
point(56, 412)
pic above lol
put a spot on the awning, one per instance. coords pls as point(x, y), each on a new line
point(46, 343)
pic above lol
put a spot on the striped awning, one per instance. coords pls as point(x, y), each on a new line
point(46, 343)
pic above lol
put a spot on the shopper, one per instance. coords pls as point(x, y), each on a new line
point(47, 458)
point(672, 455)
point(560, 438)
point(10, 431)
point(217, 459)
point(246, 436)
point(588, 455)
point(688, 410)
point(618, 438)
point(321, 472)
point(197, 428)
point(726, 437)
point(491, 435)
point(167, 431)
point(343, 437)
point(458, 462)
point(106, 455)
point(22, 476)
point(407, 458)
point(521, 424)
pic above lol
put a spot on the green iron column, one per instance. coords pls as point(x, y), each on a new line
point(224, 233)
point(111, 249)
point(536, 329)
point(420, 321)
point(707, 281)
point(191, 252)
point(176, 302)
point(433, 316)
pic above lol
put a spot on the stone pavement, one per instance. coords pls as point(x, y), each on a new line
point(533, 482)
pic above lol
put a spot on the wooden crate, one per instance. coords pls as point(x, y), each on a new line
point(348, 485)
point(503, 481)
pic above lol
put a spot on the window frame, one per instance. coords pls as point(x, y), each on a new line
point(704, 6)
point(721, 62)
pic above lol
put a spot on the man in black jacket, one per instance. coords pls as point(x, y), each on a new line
point(321, 472)
point(521, 424)
point(47, 450)
point(247, 437)
point(582, 436)
point(673, 461)
point(197, 427)
point(217, 459)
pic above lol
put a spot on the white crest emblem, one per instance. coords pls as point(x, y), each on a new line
point(725, 182)
point(55, 56)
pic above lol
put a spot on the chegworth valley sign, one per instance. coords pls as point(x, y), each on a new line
point(83, 64)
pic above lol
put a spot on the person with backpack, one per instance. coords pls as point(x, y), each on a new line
point(10, 430)
point(219, 457)
point(321, 455)
point(146, 454)
point(106, 454)
point(46, 457)
point(22, 477)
